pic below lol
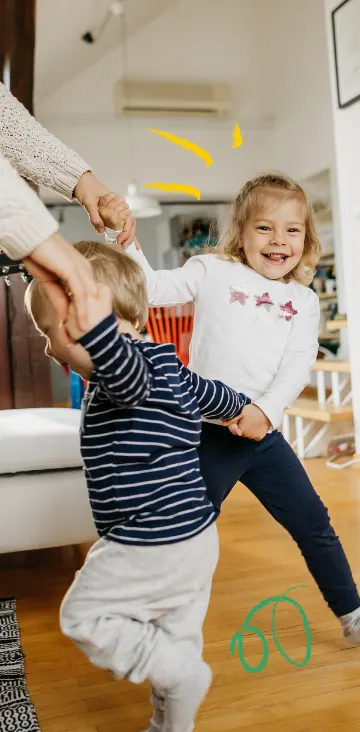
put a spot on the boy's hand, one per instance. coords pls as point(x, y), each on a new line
point(98, 308)
point(116, 215)
point(252, 423)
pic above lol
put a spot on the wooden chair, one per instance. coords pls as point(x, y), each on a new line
point(172, 324)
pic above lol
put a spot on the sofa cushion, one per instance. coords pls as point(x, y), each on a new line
point(39, 439)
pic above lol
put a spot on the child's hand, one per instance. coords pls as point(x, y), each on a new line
point(234, 426)
point(252, 423)
point(116, 215)
point(98, 308)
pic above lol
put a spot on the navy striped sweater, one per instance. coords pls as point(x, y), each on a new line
point(141, 427)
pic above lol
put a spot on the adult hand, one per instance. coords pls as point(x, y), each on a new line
point(94, 197)
point(55, 259)
point(88, 192)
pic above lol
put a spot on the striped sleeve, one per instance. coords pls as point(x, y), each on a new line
point(124, 372)
point(215, 399)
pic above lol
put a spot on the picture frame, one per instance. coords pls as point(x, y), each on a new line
point(346, 39)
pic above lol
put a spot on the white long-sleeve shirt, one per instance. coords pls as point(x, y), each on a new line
point(258, 336)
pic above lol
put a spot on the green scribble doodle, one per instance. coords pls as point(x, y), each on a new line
point(238, 638)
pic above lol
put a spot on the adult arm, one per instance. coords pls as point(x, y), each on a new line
point(40, 157)
point(35, 153)
point(24, 220)
point(29, 232)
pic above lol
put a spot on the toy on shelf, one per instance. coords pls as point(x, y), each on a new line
point(77, 387)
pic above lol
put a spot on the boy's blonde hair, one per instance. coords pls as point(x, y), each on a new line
point(252, 195)
point(116, 269)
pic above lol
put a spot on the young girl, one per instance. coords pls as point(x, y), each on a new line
point(256, 327)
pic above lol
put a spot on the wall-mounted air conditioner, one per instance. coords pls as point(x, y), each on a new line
point(165, 98)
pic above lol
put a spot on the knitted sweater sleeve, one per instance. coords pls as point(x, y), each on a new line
point(24, 220)
point(34, 152)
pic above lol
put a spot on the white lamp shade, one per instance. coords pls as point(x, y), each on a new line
point(142, 207)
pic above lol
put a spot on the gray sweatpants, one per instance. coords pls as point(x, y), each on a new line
point(138, 612)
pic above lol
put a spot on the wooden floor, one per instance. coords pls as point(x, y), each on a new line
point(258, 560)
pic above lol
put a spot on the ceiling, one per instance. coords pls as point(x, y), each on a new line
point(60, 52)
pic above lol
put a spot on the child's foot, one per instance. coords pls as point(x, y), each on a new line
point(351, 627)
point(183, 700)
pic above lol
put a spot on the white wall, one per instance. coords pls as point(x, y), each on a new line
point(60, 52)
point(274, 55)
point(199, 42)
point(272, 52)
point(106, 147)
point(303, 142)
point(347, 155)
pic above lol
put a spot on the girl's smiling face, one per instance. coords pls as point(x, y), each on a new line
point(274, 236)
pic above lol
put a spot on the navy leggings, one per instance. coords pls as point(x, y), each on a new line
point(273, 473)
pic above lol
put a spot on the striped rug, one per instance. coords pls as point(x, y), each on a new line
point(17, 713)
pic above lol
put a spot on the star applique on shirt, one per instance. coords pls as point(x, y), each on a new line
point(288, 311)
point(265, 300)
point(238, 294)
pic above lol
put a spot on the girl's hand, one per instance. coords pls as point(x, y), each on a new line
point(116, 215)
point(235, 429)
point(252, 423)
point(98, 308)
point(90, 194)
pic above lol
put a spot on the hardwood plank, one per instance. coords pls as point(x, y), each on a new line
point(257, 560)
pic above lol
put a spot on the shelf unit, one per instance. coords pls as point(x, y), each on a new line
point(312, 417)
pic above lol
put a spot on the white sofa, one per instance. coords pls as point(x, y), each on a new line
point(43, 494)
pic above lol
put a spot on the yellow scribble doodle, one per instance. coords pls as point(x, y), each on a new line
point(199, 151)
point(186, 145)
point(176, 188)
point(237, 137)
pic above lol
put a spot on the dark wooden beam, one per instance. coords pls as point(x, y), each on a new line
point(26, 380)
point(21, 21)
point(6, 391)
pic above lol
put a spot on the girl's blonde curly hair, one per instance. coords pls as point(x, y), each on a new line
point(252, 195)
